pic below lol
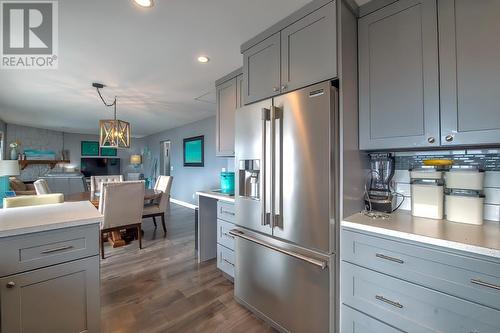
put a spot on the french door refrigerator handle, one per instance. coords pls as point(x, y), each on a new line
point(319, 263)
point(266, 216)
point(277, 116)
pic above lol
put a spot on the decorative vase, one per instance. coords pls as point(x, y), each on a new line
point(13, 154)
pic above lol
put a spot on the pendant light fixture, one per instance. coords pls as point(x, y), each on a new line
point(113, 133)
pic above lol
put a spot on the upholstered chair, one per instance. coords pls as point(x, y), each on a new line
point(159, 206)
point(21, 188)
point(33, 200)
point(97, 181)
point(121, 204)
point(42, 187)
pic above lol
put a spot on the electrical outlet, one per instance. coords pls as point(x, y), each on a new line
point(194, 196)
point(172, 168)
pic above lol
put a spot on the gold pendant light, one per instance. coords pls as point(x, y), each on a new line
point(113, 133)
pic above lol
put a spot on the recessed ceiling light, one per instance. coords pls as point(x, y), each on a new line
point(203, 59)
point(144, 3)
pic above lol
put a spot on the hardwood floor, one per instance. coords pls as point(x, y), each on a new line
point(162, 288)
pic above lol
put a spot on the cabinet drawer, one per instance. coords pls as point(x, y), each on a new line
point(225, 260)
point(27, 252)
point(223, 236)
point(353, 321)
point(413, 308)
point(225, 211)
point(470, 278)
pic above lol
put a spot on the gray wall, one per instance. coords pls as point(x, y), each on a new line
point(3, 128)
point(72, 142)
point(43, 139)
point(188, 180)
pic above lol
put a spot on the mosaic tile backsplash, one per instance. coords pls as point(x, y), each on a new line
point(487, 162)
point(486, 159)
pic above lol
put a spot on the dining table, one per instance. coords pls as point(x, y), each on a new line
point(116, 239)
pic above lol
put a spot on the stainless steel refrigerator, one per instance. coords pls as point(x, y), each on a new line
point(287, 207)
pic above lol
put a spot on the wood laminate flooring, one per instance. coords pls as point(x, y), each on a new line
point(162, 288)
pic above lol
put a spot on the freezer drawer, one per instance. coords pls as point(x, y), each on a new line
point(284, 285)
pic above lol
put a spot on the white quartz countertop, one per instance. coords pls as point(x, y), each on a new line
point(483, 239)
point(216, 195)
point(24, 220)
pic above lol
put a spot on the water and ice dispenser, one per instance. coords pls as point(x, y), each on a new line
point(249, 179)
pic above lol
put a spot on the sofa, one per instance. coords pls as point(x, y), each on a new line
point(21, 188)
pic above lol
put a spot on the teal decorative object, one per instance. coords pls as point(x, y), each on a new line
point(227, 182)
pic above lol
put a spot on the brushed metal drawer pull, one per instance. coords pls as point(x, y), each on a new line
point(58, 249)
point(228, 235)
point(388, 301)
point(227, 212)
point(383, 256)
point(228, 262)
point(485, 284)
point(11, 285)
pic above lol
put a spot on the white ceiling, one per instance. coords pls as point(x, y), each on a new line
point(146, 57)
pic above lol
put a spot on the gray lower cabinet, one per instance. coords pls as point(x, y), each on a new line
point(225, 241)
point(398, 76)
point(309, 49)
point(49, 281)
point(356, 322)
point(261, 70)
point(470, 72)
point(60, 298)
point(226, 108)
point(414, 287)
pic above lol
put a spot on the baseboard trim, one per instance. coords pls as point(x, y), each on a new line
point(183, 203)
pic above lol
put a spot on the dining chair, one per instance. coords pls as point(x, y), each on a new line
point(121, 204)
point(97, 181)
point(33, 200)
point(159, 206)
point(42, 187)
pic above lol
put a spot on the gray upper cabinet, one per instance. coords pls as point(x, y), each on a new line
point(239, 91)
point(309, 49)
point(227, 101)
point(261, 70)
point(398, 76)
point(470, 71)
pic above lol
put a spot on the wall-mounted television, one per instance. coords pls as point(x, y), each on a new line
point(99, 166)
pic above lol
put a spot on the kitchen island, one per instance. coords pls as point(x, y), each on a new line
point(49, 268)
point(216, 216)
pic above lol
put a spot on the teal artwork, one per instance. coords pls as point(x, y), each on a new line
point(90, 148)
point(105, 151)
point(194, 151)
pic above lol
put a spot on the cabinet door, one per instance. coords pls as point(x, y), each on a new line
point(239, 91)
point(226, 107)
point(398, 76)
point(261, 70)
point(470, 71)
point(309, 49)
point(353, 321)
point(60, 298)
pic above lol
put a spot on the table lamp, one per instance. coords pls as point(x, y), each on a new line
point(135, 159)
point(7, 168)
